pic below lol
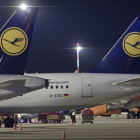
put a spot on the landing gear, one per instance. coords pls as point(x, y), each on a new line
point(138, 115)
point(9, 122)
point(131, 114)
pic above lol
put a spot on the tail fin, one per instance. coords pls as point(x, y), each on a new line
point(124, 57)
point(15, 41)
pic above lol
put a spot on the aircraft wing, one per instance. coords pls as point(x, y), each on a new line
point(14, 86)
point(12, 83)
point(114, 106)
point(131, 82)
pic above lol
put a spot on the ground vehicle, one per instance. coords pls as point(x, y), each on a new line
point(54, 116)
point(26, 117)
point(87, 116)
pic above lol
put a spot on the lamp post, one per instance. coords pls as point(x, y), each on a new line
point(78, 49)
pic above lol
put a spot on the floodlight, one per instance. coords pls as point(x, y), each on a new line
point(78, 48)
point(23, 6)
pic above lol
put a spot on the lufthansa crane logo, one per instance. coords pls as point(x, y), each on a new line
point(13, 41)
point(131, 44)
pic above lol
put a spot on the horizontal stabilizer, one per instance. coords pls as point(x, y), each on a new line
point(12, 83)
point(131, 82)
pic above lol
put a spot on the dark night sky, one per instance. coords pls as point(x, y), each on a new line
point(95, 24)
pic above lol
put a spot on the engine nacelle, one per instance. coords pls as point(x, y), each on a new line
point(111, 107)
point(103, 109)
point(116, 111)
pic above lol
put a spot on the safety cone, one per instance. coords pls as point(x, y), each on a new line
point(71, 122)
point(3, 125)
point(63, 134)
point(131, 119)
point(20, 127)
point(14, 127)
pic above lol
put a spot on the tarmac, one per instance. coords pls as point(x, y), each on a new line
point(103, 128)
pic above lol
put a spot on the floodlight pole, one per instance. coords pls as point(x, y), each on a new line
point(77, 61)
point(78, 49)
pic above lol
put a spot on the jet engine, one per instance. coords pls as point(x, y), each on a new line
point(103, 109)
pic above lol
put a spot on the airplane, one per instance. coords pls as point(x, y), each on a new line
point(116, 76)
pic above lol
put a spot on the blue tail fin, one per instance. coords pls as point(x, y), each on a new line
point(15, 41)
point(124, 57)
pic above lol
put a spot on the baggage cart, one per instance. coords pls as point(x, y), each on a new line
point(87, 116)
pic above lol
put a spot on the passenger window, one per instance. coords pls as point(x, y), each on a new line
point(67, 86)
point(61, 87)
point(56, 87)
point(51, 87)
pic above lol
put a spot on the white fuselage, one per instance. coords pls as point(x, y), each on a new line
point(70, 91)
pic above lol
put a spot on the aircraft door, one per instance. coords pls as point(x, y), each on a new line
point(87, 87)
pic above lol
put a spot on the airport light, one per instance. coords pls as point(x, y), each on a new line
point(78, 47)
point(23, 6)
